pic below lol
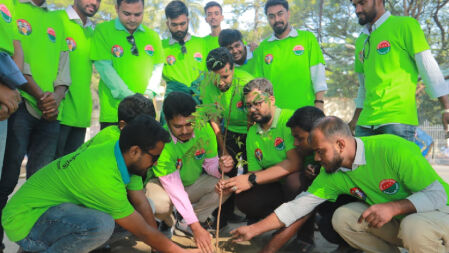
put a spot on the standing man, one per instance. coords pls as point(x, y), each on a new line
point(390, 53)
point(403, 201)
point(214, 17)
point(33, 129)
point(76, 110)
point(232, 40)
point(187, 172)
point(292, 60)
point(184, 53)
point(128, 56)
point(71, 204)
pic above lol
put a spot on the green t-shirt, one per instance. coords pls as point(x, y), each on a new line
point(109, 43)
point(108, 134)
point(187, 157)
point(232, 99)
point(184, 68)
point(390, 71)
point(94, 178)
point(286, 63)
point(211, 43)
point(41, 34)
point(265, 149)
point(7, 26)
point(76, 108)
point(394, 170)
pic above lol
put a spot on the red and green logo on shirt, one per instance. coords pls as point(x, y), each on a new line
point(6, 15)
point(389, 186)
point(51, 34)
point(279, 144)
point(24, 27)
point(239, 105)
point(71, 44)
point(268, 59)
point(258, 153)
point(149, 49)
point(199, 154)
point(117, 51)
point(198, 57)
point(383, 47)
point(298, 50)
point(358, 193)
point(171, 60)
point(178, 164)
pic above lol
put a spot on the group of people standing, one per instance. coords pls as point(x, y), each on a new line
point(252, 115)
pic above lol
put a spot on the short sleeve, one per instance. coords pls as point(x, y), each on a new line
point(99, 48)
point(414, 38)
point(253, 165)
point(135, 183)
point(315, 54)
point(322, 186)
point(288, 137)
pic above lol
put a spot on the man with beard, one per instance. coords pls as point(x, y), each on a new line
point(241, 54)
point(187, 172)
point(391, 52)
point(214, 17)
point(128, 56)
point(403, 201)
point(77, 105)
point(227, 95)
point(292, 60)
point(184, 52)
point(71, 204)
point(271, 156)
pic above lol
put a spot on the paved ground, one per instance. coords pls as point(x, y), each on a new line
point(131, 245)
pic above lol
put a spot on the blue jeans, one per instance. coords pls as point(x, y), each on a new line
point(3, 132)
point(36, 138)
point(405, 131)
point(70, 139)
point(69, 228)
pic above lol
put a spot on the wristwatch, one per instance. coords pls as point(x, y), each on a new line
point(252, 179)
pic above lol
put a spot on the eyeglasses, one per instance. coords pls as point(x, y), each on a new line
point(365, 51)
point(132, 41)
point(153, 157)
point(256, 105)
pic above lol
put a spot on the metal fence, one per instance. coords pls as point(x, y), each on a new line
point(439, 154)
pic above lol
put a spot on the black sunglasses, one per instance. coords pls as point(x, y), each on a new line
point(132, 41)
point(153, 157)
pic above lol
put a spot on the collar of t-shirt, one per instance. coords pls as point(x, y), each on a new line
point(359, 158)
point(43, 6)
point(119, 26)
point(173, 41)
point(121, 164)
point(293, 33)
point(73, 15)
point(277, 113)
point(175, 140)
point(376, 24)
point(249, 56)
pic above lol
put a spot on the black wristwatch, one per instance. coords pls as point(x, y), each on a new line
point(252, 179)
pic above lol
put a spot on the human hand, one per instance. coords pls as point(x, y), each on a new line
point(48, 104)
point(226, 163)
point(4, 113)
point(220, 188)
point(311, 171)
point(238, 183)
point(377, 215)
point(243, 233)
point(9, 99)
point(202, 238)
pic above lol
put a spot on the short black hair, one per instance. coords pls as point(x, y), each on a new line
point(212, 4)
point(229, 36)
point(144, 131)
point(304, 118)
point(383, 1)
point(178, 103)
point(261, 84)
point(271, 3)
point(135, 105)
point(130, 1)
point(218, 58)
point(175, 9)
